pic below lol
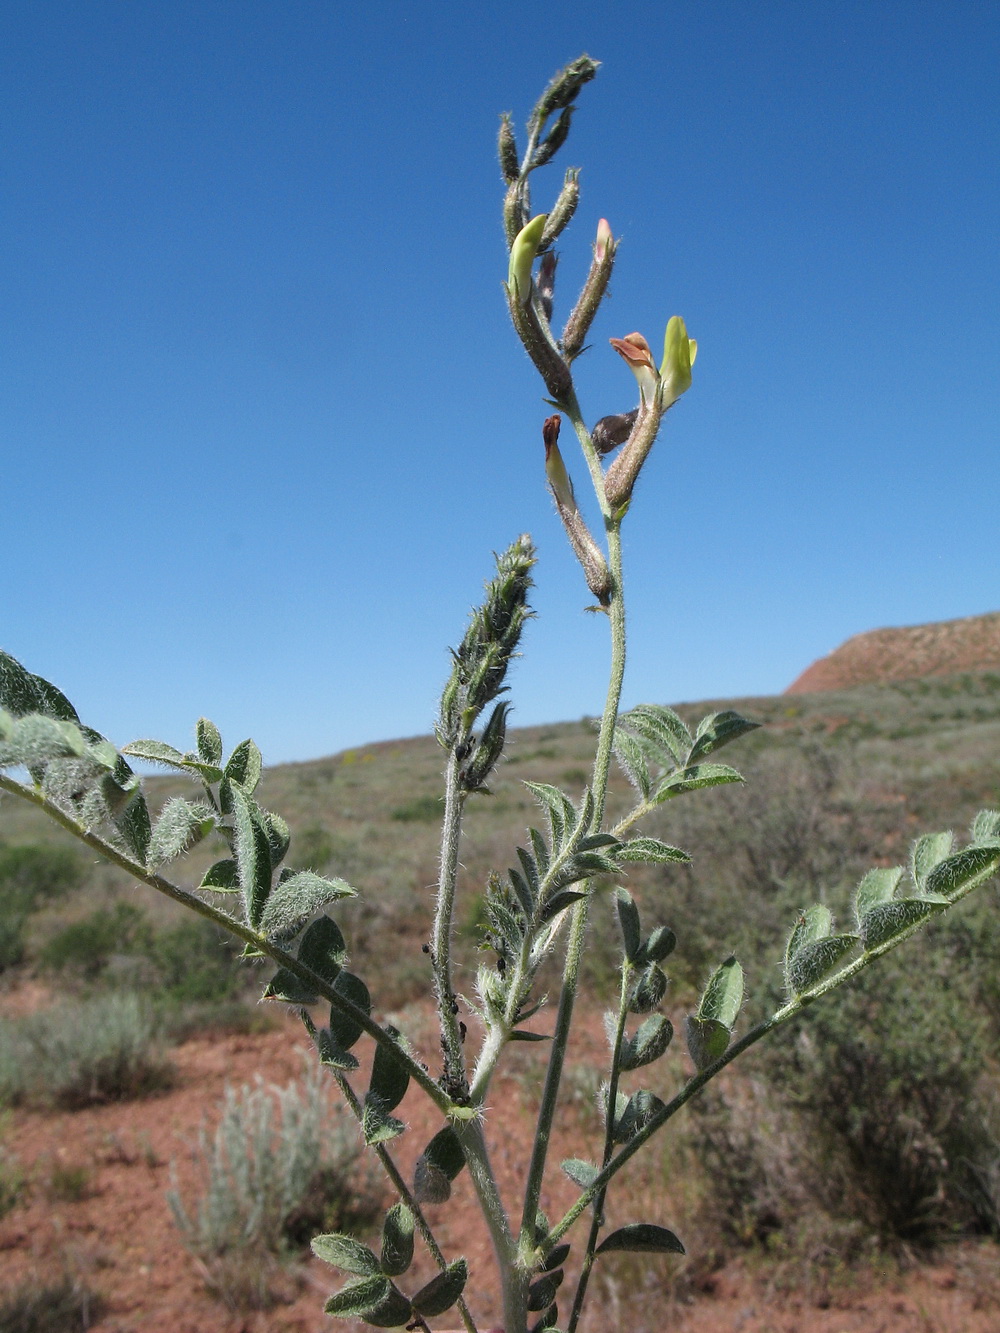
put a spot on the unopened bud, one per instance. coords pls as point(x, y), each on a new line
point(594, 289)
point(611, 431)
point(522, 256)
point(554, 140)
point(634, 350)
point(563, 208)
point(565, 86)
point(604, 239)
point(555, 468)
point(507, 149)
point(585, 548)
point(545, 284)
point(679, 352)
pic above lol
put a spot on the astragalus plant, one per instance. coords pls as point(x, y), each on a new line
point(536, 909)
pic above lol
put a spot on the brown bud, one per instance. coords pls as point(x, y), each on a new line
point(611, 431)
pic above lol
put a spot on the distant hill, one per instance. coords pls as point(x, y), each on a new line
point(908, 653)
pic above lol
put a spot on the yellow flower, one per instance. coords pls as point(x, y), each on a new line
point(522, 256)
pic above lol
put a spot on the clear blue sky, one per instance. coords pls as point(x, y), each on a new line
point(263, 417)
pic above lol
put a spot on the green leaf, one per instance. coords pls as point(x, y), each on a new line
point(694, 778)
point(814, 923)
point(716, 730)
point(180, 824)
point(986, 826)
point(707, 1040)
point(377, 1125)
point(394, 1312)
point(632, 761)
point(642, 1238)
point(345, 1253)
point(816, 960)
point(580, 1172)
point(667, 739)
point(208, 773)
point(558, 903)
point(650, 851)
point(661, 944)
point(252, 850)
point(357, 1298)
point(442, 1291)
point(278, 835)
point(36, 739)
point(245, 766)
point(22, 693)
point(888, 920)
point(221, 878)
point(556, 1257)
point(390, 1077)
point(133, 824)
point(345, 1030)
point(648, 990)
point(296, 899)
point(878, 886)
point(966, 868)
point(927, 852)
point(329, 1052)
point(286, 986)
point(640, 1109)
point(397, 1240)
point(209, 741)
point(723, 995)
point(155, 752)
point(542, 1292)
point(628, 919)
point(522, 1034)
point(649, 1043)
point(437, 1166)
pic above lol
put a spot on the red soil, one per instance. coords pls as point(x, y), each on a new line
point(121, 1240)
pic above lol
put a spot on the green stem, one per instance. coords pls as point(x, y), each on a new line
point(609, 1149)
point(451, 833)
point(578, 927)
point(781, 1016)
point(398, 1183)
point(258, 942)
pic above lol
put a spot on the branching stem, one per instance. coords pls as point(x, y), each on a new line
point(249, 936)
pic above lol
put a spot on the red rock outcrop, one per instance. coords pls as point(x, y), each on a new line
point(937, 649)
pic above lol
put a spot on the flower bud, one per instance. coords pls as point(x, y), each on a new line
point(563, 208)
point(585, 548)
point(522, 256)
point(604, 239)
point(679, 352)
point(555, 468)
point(634, 350)
point(507, 149)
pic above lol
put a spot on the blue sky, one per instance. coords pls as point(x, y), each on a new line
point(264, 418)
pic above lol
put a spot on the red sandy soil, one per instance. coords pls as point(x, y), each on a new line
point(121, 1240)
point(937, 649)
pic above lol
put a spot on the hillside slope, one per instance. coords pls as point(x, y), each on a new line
point(910, 652)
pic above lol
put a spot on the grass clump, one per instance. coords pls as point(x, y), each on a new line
point(63, 1306)
point(74, 1055)
point(278, 1168)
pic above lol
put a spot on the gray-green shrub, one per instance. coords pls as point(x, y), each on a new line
point(279, 1166)
point(83, 1052)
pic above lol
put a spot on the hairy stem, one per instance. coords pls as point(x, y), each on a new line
point(578, 927)
point(609, 1150)
point(249, 936)
point(451, 833)
point(788, 1011)
point(398, 1183)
